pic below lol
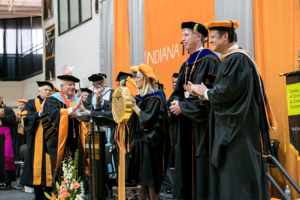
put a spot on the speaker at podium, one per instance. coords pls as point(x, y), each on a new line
point(95, 150)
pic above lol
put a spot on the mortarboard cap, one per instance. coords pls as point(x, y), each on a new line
point(149, 72)
point(22, 100)
point(97, 77)
point(134, 68)
point(43, 83)
point(196, 27)
point(229, 25)
point(122, 75)
point(69, 78)
point(175, 75)
point(86, 90)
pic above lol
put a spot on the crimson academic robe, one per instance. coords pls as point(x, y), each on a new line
point(61, 133)
point(240, 118)
point(37, 165)
point(191, 173)
point(9, 120)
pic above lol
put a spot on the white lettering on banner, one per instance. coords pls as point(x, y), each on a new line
point(162, 54)
point(295, 128)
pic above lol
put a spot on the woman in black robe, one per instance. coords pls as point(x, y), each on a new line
point(149, 131)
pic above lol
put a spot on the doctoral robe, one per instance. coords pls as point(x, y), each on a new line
point(150, 140)
point(37, 165)
point(240, 118)
point(7, 168)
point(62, 132)
point(191, 173)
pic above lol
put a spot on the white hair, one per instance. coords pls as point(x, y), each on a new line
point(62, 82)
point(43, 87)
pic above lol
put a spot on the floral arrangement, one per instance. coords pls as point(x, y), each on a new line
point(70, 188)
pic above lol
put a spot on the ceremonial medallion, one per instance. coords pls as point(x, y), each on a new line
point(186, 94)
point(121, 104)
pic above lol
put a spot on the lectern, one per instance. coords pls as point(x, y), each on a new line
point(95, 148)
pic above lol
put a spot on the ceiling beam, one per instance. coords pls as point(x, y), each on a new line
point(20, 13)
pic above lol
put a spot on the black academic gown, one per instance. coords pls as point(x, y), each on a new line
point(191, 173)
point(37, 165)
point(150, 141)
point(8, 121)
point(53, 113)
point(103, 109)
point(174, 132)
point(19, 138)
point(237, 117)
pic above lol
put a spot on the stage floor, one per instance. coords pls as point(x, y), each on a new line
point(14, 194)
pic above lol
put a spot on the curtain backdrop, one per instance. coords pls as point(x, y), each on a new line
point(121, 38)
point(242, 12)
point(163, 49)
point(277, 40)
point(21, 49)
point(136, 32)
point(107, 39)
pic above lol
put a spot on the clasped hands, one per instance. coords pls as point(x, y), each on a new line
point(134, 107)
point(196, 89)
point(193, 89)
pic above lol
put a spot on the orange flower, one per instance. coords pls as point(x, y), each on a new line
point(64, 182)
point(62, 190)
point(65, 195)
point(76, 185)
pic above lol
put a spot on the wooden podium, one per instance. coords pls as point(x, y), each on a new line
point(95, 150)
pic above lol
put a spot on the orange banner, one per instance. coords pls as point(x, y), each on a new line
point(121, 38)
point(277, 40)
point(163, 49)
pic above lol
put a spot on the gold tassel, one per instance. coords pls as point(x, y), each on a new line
point(195, 29)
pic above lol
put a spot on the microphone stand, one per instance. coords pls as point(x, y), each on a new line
point(92, 156)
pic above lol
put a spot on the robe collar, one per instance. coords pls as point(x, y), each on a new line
point(58, 96)
point(204, 52)
point(235, 46)
point(154, 93)
point(39, 97)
